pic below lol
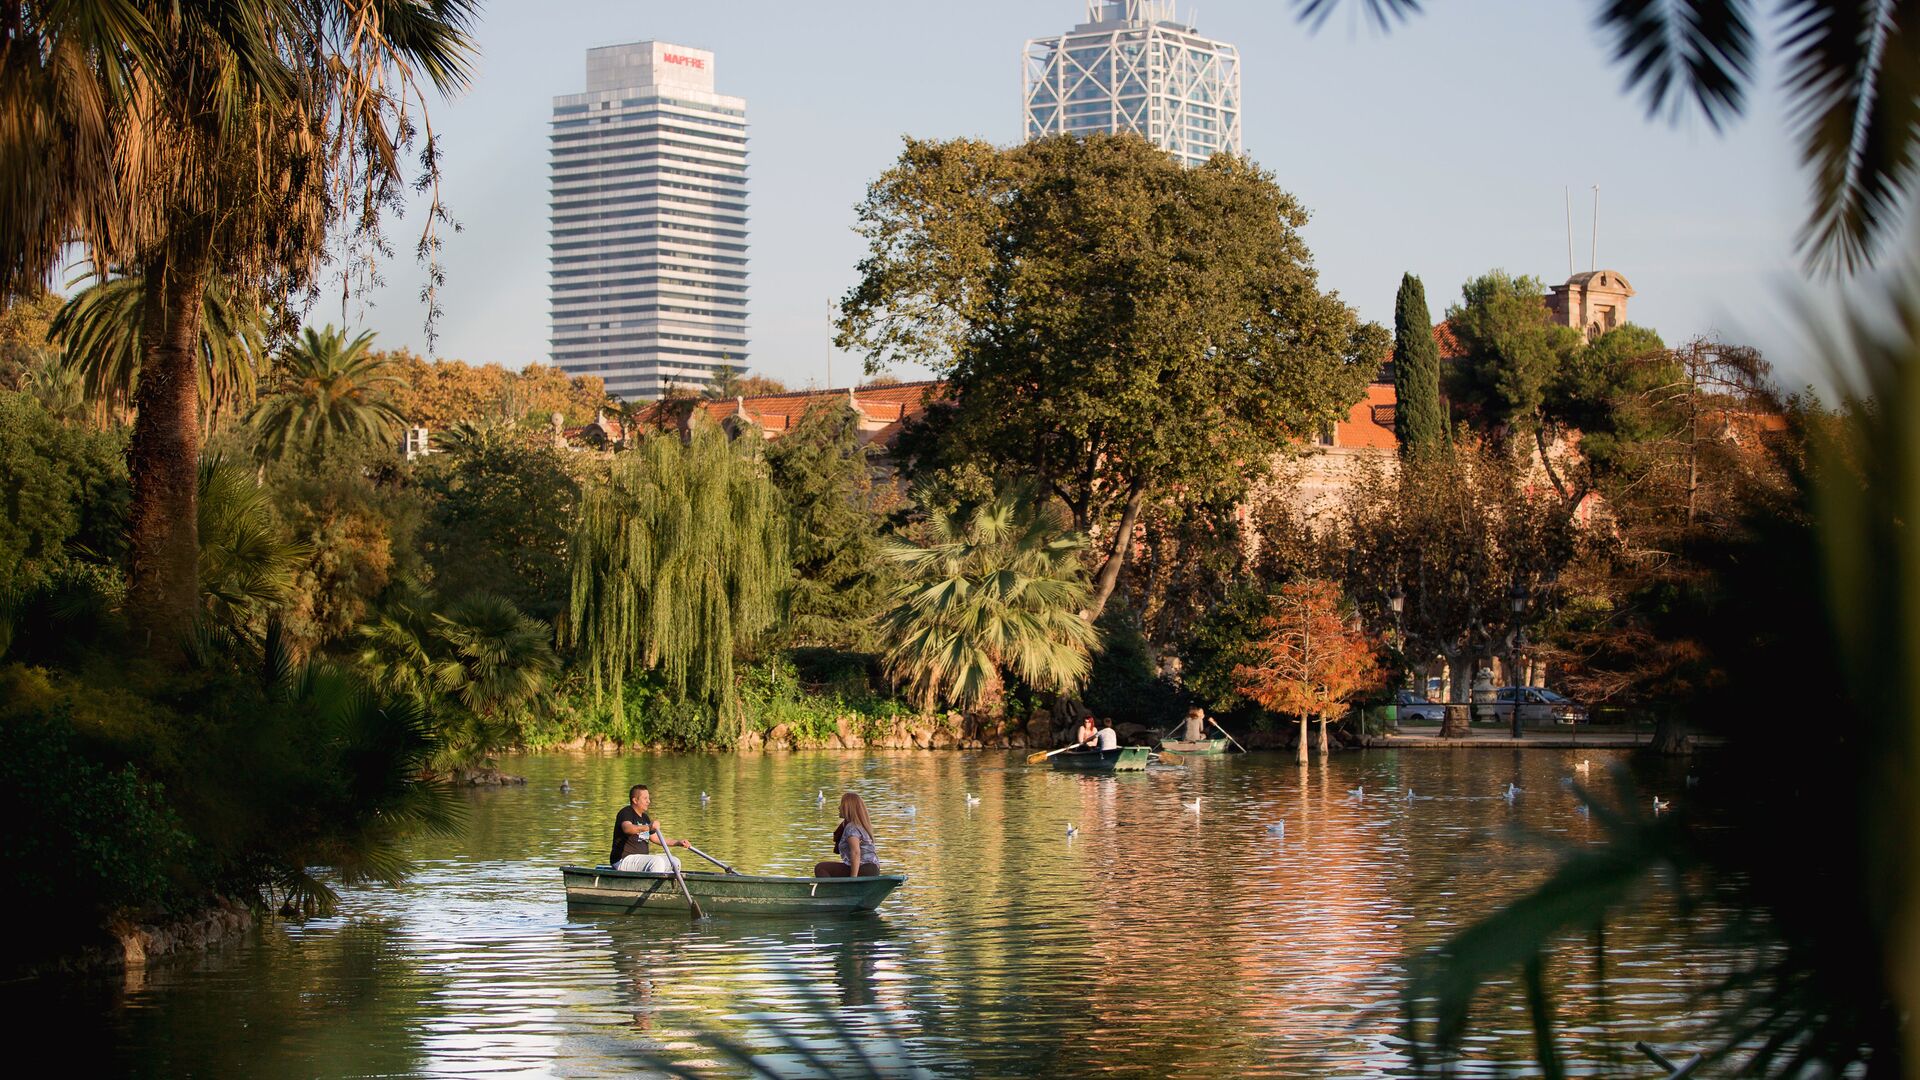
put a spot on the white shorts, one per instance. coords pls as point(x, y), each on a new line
point(649, 864)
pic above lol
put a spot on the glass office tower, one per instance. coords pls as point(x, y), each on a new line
point(1132, 67)
point(649, 222)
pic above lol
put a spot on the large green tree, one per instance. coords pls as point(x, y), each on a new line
point(1115, 328)
point(1419, 416)
point(678, 561)
point(1511, 353)
point(500, 512)
point(205, 141)
point(835, 511)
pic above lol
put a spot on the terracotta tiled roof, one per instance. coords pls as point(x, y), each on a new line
point(1369, 423)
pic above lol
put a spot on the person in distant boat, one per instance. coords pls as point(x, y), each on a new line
point(853, 842)
point(1196, 724)
point(1089, 732)
point(1107, 738)
point(633, 827)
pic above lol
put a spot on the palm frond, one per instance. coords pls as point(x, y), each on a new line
point(1676, 50)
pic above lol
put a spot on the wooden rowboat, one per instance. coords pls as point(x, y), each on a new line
point(1195, 746)
point(629, 892)
point(1123, 759)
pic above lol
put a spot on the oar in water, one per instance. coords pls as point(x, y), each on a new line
point(1223, 731)
point(674, 865)
point(712, 860)
point(1168, 757)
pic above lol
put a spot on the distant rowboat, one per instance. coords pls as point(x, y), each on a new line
point(1195, 746)
point(1122, 759)
point(627, 892)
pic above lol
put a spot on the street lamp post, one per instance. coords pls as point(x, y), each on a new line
point(1517, 601)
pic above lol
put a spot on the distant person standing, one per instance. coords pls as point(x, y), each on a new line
point(853, 842)
point(633, 826)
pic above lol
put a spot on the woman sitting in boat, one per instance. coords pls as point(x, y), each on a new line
point(1089, 732)
point(853, 841)
point(632, 828)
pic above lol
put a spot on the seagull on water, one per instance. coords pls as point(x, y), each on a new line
point(972, 799)
point(705, 798)
point(1071, 831)
point(1409, 794)
point(1194, 805)
point(1359, 792)
point(1583, 766)
point(821, 798)
point(1278, 828)
point(1512, 792)
point(1660, 805)
point(912, 810)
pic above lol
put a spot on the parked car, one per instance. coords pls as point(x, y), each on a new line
point(1409, 705)
point(1538, 705)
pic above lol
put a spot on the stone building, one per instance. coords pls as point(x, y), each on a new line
point(1593, 302)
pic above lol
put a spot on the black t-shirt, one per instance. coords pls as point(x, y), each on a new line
point(624, 844)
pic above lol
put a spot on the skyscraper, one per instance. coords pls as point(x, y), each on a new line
point(1132, 67)
point(649, 222)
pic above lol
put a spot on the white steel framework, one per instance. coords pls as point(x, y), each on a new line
point(1132, 67)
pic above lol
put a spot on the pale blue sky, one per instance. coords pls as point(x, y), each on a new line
point(1442, 148)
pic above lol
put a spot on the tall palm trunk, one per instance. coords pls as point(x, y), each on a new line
point(164, 458)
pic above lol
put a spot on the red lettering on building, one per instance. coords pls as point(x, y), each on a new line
point(684, 61)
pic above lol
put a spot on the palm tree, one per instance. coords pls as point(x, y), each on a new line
point(996, 589)
point(99, 330)
point(479, 666)
point(329, 391)
point(206, 140)
point(1852, 94)
point(247, 564)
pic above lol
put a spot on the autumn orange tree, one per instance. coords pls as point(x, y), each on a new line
point(1308, 660)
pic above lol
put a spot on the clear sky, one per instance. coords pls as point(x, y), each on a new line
point(1443, 148)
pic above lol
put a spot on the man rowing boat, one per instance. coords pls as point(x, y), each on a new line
point(632, 828)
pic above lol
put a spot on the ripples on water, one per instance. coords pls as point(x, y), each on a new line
point(1155, 942)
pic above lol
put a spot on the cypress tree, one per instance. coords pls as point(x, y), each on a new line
point(678, 560)
point(1419, 419)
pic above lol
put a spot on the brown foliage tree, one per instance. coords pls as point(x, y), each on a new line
point(1310, 660)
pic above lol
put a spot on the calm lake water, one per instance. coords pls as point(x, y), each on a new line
point(1156, 942)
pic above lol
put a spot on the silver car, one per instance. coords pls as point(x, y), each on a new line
point(1538, 705)
point(1409, 705)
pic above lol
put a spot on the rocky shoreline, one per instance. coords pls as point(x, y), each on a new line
point(126, 945)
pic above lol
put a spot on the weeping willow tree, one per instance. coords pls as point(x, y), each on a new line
point(678, 561)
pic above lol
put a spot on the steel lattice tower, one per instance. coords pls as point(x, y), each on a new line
point(1132, 67)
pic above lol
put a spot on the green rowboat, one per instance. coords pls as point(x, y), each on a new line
point(1195, 746)
point(626, 892)
point(1123, 759)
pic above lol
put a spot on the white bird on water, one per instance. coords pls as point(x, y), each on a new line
point(1071, 831)
point(1278, 828)
point(972, 799)
point(1359, 792)
point(1194, 805)
point(1512, 792)
point(1660, 805)
point(1583, 766)
point(912, 810)
point(1409, 794)
point(705, 798)
point(821, 798)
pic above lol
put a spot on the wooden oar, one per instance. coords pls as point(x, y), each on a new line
point(1224, 731)
point(712, 860)
point(1168, 757)
point(1035, 759)
point(674, 865)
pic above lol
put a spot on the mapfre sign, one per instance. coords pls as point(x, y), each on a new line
point(698, 63)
